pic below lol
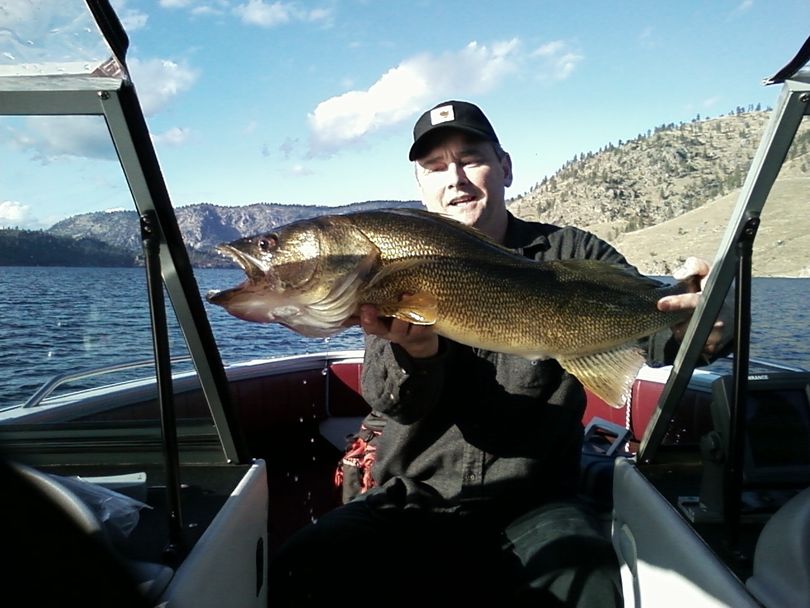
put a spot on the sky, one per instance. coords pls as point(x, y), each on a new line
point(313, 102)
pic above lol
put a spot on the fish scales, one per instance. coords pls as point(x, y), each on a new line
point(524, 308)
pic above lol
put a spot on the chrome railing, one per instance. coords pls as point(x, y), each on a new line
point(55, 382)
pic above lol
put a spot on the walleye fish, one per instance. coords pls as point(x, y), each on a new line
point(312, 275)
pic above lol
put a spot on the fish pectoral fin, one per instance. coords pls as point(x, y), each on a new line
point(419, 308)
point(609, 375)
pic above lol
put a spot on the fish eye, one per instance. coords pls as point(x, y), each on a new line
point(267, 243)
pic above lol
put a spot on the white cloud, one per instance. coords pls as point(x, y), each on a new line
point(159, 81)
point(559, 59)
point(410, 87)
point(744, 6)
point(175, 136)
point(299, 170)
point(269, 15)
point(207, 10)
point(13, 213)
point(51, 137)
point(711, 102)
point(647, 37)
point(131, 19)
point(176, 3)
point(286, 148)
point(198, 7)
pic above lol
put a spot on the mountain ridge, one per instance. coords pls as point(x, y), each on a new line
point(658, 197)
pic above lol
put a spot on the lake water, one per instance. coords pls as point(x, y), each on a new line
point(58, 320)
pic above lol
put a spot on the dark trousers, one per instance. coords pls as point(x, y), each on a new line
point(554, 555)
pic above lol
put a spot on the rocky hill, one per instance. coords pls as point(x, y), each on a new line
point(203, 225)
point(669, 193)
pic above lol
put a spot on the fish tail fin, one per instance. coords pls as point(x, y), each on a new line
point(609, 375)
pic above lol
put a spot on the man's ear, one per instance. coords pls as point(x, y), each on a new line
point(416, 177)
point(506, 163)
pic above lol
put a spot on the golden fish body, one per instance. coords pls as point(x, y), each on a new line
point(312, 276)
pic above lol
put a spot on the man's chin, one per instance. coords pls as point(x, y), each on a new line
point(466, 213)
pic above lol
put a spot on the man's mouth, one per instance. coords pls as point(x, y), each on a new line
point(461, 200)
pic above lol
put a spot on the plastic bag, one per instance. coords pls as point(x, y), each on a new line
point(118, 513)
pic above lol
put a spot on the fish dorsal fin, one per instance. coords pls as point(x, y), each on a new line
point(609, 375)
point(419, 308)
point(613, 276)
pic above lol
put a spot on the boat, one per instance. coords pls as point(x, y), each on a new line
point(174, 489)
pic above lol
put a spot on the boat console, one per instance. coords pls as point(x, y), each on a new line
point(775, 448)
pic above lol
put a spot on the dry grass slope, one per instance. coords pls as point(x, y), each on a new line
point(781, 248)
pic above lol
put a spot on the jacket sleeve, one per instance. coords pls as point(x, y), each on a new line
point(399, 386)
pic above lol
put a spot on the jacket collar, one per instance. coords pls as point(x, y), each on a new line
point(525, 237)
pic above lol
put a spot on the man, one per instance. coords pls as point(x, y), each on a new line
point(477, 467)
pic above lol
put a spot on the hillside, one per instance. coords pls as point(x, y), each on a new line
point(647, 180)
point(780, 249)
point(203, 225)
point(38, 248)
point(670, 193)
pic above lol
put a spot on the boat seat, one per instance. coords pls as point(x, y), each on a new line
point(337, 429)
point(150, 578)
point(782, 556)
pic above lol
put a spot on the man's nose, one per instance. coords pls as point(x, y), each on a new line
point(456, 174)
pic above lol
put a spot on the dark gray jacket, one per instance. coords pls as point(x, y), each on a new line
point(468, 426)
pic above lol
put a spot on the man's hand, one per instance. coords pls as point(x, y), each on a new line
point(419, 341)
point(695, 272)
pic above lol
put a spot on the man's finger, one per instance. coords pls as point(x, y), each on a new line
point(687, 301)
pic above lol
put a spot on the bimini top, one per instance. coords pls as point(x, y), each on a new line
point(797, 68)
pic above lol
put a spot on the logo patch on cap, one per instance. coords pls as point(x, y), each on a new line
point(442, 114)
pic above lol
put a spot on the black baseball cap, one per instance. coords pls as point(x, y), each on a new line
point(460, 115)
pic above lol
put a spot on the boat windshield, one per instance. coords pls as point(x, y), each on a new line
point(46, 38)
point(77, 346)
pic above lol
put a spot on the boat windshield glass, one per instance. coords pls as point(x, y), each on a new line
point(781, 262)
point(52, 38)
point(77, 321)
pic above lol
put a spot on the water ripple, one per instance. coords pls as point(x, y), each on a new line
point(59, 320)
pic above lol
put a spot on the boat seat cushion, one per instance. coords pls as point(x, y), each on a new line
point(782, 556)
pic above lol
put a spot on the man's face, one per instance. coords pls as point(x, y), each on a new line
point(463, 177)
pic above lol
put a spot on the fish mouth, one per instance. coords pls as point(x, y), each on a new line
point(251, 265)
point(248, 263)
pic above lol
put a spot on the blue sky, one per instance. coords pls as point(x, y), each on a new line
point(313, 102)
